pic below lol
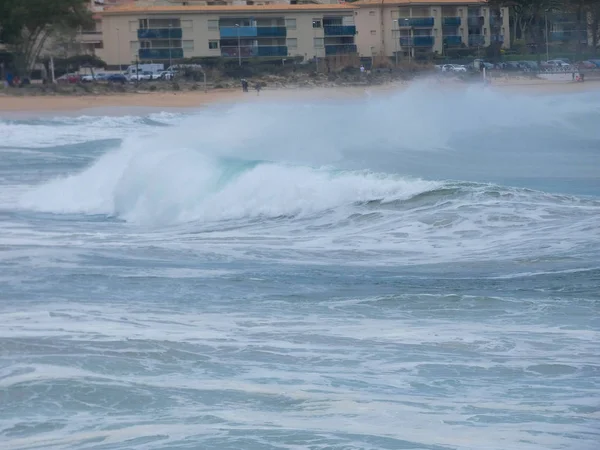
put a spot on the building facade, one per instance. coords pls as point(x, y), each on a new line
point(567, 28)
point(167, 33)
point(410, 28)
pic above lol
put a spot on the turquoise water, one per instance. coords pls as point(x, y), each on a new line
point(415, 272)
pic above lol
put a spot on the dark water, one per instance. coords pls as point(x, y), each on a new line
point(415, 272)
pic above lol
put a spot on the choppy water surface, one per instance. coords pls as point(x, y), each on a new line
point(415, 272)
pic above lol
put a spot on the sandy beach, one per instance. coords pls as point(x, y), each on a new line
point(10, 105)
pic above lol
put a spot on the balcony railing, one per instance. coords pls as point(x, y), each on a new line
point(159, 33)
point(568, 35)
point(562, 17)
point(452, 41)
point(272, 50)
point(340, 49)
point(90, 37)
point(254, 51)
point(475, 21)
point(498, 38)
point(271, 31)
point(160, 53)
point(417, 41)
point(495, 21)
point(416, 22)
point(340, 30)
point(451, 21)
point(476, 40)
point(234, 32)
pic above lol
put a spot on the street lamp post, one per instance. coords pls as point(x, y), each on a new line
point(170, 59)
point(315, 45)
point(397, 38)
point(119, 50)
point(547, 47)
point(237, 25)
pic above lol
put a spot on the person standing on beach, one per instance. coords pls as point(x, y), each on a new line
point(257, 87)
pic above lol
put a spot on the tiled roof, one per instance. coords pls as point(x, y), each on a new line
point(132, 9)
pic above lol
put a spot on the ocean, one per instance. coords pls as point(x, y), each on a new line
point(419, 270)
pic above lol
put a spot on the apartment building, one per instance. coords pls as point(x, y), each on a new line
point(90, 40)
point(167, 33)
point(567, 28)
point(413, 28)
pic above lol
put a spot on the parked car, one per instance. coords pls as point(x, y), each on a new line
point(585, 65)
point(142, 76)
point(455, 68)
point(166, 75)
point(529, 65)
point(117, 78)
point(68, 78)
point(95, 77)
point(557, 64)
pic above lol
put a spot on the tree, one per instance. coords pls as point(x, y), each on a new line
point(594, 25)
point(25, 26)
point(532, 17)
point(588, 19)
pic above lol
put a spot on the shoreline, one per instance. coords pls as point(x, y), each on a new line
point(140, 102)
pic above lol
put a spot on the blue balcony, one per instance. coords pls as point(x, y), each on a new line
point(340, 30)
point(159, 33)
point(451, 21)
point(424, 22)
point(272, 50)
point(452, 41)
point(160, 53)
point(475, 21)
point(270, 32)
point(495, 21)
point(417, 41)
point(568, 35)
point(476, 40)
point(562, 17)
point(234, 32)
point(255, 51)
point(340, 49)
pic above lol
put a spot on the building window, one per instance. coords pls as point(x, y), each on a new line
point(143, 23)
point(187, 45)
point(290, 24)
point(292, 43)
point(134, 46)
point(213, 45)
point(371, 13)
point(316, 23)
point(318, 42)
point(213, 24)
point(373, 32)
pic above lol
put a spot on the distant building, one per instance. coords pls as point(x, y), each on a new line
point(166, 33)
point(565, 28)
point(413, 28)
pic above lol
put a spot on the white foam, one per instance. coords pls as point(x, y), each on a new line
point(73, 130)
